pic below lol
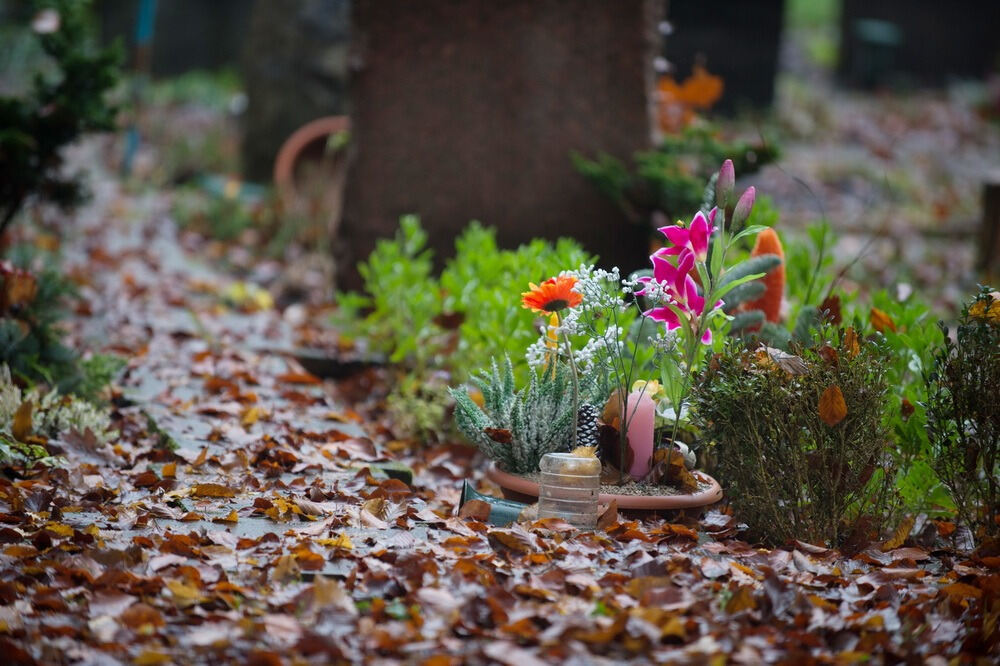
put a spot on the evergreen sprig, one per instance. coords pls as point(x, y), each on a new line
point(34, 128)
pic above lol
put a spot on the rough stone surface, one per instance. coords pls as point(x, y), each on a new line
point(295, 70)
point(471, 110)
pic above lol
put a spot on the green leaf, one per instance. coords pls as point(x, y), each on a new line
point(744, 320)
point(748, 291)
point(759, 264)
point(732, 284)
point(752, 229)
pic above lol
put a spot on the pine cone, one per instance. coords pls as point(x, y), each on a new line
point(586, 426)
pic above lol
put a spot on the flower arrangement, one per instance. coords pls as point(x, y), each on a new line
point(626, 350)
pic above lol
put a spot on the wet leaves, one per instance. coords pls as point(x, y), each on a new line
point(239, 520)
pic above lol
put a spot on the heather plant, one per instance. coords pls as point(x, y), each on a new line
point(800, 439)
point(963, 420)
point(516, 427)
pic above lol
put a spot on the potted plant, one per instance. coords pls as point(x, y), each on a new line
point(614, 358)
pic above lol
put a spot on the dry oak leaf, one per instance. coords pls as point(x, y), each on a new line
point(499, 435)
point(299, 378)
point(832, 408)
point(741, 600)
point(475, 509)
point(502, 541)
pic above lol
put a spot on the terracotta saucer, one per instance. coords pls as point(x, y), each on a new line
point(521, 489)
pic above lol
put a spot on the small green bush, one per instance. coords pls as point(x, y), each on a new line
point(963, 418)
point(35, 127)
point(793, 469)
point(412, 316)
point(30, 334)
point(671, 179)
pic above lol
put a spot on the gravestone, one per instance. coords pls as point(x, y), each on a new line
point(934, 43)
point(294, 70)
point(187, 34)
point(738, 41)
point(471, 109)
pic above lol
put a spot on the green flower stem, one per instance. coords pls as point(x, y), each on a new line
point(576, 381)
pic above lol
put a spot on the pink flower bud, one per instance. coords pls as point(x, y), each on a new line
point(725, 184)
point(743, 207)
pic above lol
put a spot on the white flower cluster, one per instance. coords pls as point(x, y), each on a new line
point(539, 353)
point(665, 342)
point(599, 348)
point(600, 288)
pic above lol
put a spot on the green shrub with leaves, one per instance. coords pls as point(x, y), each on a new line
point(32, 306)
point(412, 316)
point(35, 127)
point(516, 427)
point(477, 285)
point(671, 179)
point(963, 418)
point(395, 314)
point(800, 440)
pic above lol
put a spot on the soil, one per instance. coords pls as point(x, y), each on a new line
point(633, 487)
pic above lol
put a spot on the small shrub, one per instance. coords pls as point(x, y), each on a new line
point(671, 179)
point(52, 414)
point(459, 321)
point(963, 418)
point(420, 408)
point(35, 127)
point(31, 309)
point(800, 440)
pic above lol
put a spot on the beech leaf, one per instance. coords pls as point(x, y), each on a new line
point(832, 408)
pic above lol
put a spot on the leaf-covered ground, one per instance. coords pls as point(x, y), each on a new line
point(238, 520)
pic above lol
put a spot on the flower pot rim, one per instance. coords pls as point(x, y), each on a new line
point(709, 495)
point(288, 155)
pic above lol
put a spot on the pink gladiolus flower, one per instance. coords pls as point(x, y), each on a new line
point(694, 237)
point(677, 287)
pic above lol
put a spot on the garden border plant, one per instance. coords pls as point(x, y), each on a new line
point(800, 439)
point(963, 419)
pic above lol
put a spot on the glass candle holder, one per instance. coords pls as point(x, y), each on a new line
point(569, 488)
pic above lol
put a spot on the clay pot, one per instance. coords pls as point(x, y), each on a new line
point(308, 145)
point(522, 490)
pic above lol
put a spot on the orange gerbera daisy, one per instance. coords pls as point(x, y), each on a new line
point(553, 295)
